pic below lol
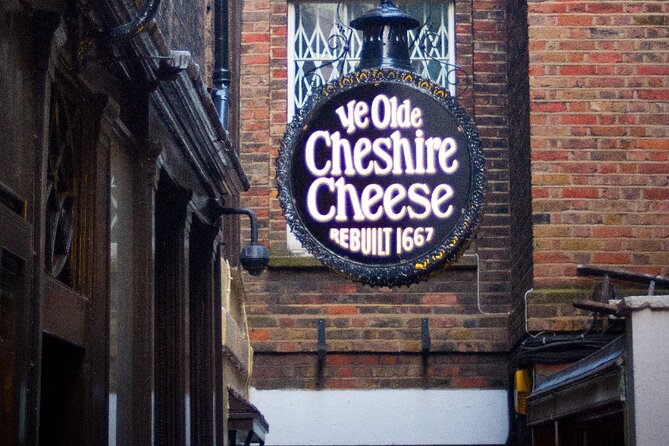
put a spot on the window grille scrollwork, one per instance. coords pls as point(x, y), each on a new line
point(60, 209)
point(325, 48)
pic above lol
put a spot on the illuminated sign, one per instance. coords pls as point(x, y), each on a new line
point(381, 177)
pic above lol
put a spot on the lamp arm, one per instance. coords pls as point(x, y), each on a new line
point(252, 216)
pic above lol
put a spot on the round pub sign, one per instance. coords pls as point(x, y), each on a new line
point(381, 177)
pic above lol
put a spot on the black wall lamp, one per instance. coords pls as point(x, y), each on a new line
point(254, 257)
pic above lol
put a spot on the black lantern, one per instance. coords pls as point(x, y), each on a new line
point(384, 36)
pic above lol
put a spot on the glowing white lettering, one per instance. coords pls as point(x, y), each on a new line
point(310, 153)
point(312, 200)
point(442, 194)
point(374, 202)
point(337, 159)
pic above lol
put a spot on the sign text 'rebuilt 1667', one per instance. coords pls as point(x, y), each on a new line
point(381, 177)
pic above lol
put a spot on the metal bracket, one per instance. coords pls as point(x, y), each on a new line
point(604, 290)
point(426, 345)
point(321, 349)
point(171, 66)
point(425, 341)
point(138, 23)
point(651, 288)
point(254, 258)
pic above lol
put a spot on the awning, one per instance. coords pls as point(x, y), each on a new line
point(246, 425)
point(592, 384)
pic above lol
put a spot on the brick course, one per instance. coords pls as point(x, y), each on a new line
point(284, 310)
point(373, 370)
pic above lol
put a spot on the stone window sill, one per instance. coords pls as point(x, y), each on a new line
point(284, 260)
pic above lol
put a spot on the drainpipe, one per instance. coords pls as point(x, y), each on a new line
point(221, 74)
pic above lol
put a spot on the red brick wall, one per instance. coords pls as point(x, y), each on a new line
point(600, 136)
point(284, 308)
point(373, 335)
point(379, 371)
point(255, 106)
point(599, 90)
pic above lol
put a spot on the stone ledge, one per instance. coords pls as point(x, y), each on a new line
point(284, 260)
point(638, 303)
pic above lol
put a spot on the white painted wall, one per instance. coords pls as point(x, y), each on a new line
point(649, 390)
point(384, 417)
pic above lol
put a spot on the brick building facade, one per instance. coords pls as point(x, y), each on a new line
point(127, 321)
point(570, 99)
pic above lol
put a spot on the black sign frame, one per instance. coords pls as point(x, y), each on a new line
point(451, 246)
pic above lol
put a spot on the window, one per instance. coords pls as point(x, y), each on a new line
point(313, 29)
point(315, 50)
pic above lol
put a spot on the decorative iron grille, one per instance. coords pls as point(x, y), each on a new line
point(323, 47)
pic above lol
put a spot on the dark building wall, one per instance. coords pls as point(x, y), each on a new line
point(88, 127)
point(600, 134)
point(285, 303)
point(187, 25)
point(45, 291)
point(518, 112)
point(19, 128)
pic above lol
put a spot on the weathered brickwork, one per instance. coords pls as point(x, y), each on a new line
point(285, 308)
point(365, 324)
point(370, 371)
point(255, 106)
point(489, 111)
point(599, 90)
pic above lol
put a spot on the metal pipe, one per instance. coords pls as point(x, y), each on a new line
point(425, 340)
point(252, 217)
point(620, 274)
point(478, 289)
point(321, 350)
point(221, 72)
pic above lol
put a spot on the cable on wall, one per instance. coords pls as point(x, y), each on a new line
point(478, 289)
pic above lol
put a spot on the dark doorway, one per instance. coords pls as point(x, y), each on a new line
point(171, 343)
point(62, 393)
